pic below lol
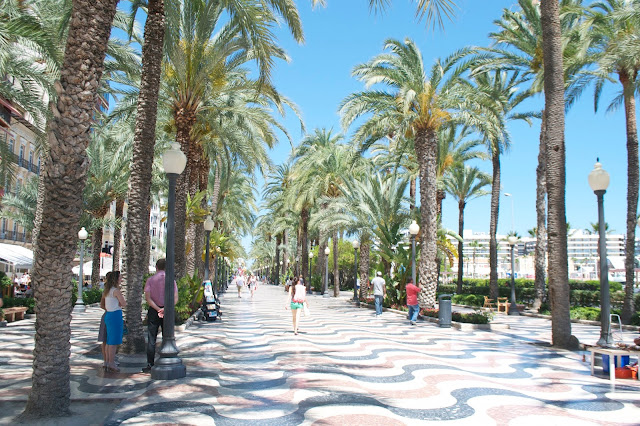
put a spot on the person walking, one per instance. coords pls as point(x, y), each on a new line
point(253, 284)
point(239, 281)
point(154, 294)
point(379, 291)
point(412, 300)
point(113, 301)
point(296, 300)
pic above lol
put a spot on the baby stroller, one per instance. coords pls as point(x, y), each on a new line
point(210, 310)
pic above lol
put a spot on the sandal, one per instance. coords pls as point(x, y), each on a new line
point(113, 369)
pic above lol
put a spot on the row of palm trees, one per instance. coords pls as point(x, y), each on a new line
point(406, 106)
point(194, 87)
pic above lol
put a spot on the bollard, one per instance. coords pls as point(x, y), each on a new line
point(444, 310)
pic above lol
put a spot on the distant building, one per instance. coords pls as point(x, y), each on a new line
point(582, 251)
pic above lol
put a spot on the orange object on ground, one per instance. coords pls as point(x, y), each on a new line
point(623, 373)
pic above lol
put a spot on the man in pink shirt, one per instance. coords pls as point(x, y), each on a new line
point(412, 300)
point(154, 293)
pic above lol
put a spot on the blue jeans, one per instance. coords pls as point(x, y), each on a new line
point(378, 300)
point(413, 312)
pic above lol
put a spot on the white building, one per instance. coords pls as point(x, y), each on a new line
point(582, 250)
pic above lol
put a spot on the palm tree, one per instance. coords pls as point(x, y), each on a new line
point(433, 10)
point(68, 137)
point(475, 245)
point(521, 32)
point(320, 165)
point(144, 140)
point(614, 25)
point(465, 183)
point(554, 106)
point(418, 105)
point(595, 228)
point(497, 91)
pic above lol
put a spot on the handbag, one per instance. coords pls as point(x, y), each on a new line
point(305, 310)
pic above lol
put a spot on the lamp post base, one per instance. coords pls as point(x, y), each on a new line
point(79, 307)
point(513, 309)
point(603, 342)
point(168, 372)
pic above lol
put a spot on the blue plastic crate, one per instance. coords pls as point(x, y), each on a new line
point(616, 362)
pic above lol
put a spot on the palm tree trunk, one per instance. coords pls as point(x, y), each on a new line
point(117, 234)
point(364, 266)
point(541, 224)
point(461, 205)
point(632, 193)
point(285, 256)
point(336, 271)
point(304, 267)
point(493, 225)
point(412, 194)
point(68, 138)
point(322, 237)
point(96, 247)
point(194, 162)
point(277, 277)
point(426, 144)
point(556, 183)
point(184, 122)
point(136, 254)
point(38, 217)
point(440, 196)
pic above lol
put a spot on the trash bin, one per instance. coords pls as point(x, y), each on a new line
point(444, 310)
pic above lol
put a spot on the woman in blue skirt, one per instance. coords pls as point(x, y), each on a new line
point(113, 302)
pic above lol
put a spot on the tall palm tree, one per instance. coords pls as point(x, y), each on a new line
point(518, 45)
point(554, 105)
point(21, 206)
point(465, 183)
point(498, 92)
point(614, 26)
point(68, 138)
point(418, 104)
point(320, 163)
point(139, 198)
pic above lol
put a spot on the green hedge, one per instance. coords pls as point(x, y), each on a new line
point(583, 293)
point(477, 317)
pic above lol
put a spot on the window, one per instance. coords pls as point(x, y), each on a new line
point(38, 170)
point(4, 225)
point(21, 156)
point(12, 144)
point(31, 160)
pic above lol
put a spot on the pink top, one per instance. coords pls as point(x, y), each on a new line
point(155, 288)
point(412, 294)
point(300, 294)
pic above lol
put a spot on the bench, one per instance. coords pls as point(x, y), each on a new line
point(15, 313)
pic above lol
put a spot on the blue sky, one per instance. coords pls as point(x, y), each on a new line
point(345, 34)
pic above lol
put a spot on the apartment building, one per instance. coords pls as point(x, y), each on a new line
point(582, 250)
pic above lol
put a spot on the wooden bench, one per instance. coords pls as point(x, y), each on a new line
point(15, 313)
point(488, 304)
point(503, 304)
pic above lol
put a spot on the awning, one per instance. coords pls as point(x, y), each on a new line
point(106, 264)
point(18, 256)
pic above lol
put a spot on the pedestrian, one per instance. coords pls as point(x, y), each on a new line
point(239, 281)
point(113, 302)
point(412, 300)
point(154, 294)
point(102, 334)
point(253, 284)
point(296, 300)
point(379, 291)
point(287, 284)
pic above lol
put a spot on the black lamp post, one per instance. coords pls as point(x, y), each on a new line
point(325, 292)
point(170, 366)
point(513, 307)
point(79, 306)
point(208, 227)
point(599, 182)
point(414, 228)
point(356, 246)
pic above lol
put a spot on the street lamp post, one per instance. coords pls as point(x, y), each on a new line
point(356, 246)
point(414, 228)
point(599, 181)
point(208, 227)
point(513, 308)
point(325, 292)
point(310, 257)
point(79, 306)
point(170, 366)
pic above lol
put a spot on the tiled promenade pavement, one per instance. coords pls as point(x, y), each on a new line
point(344, 368)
